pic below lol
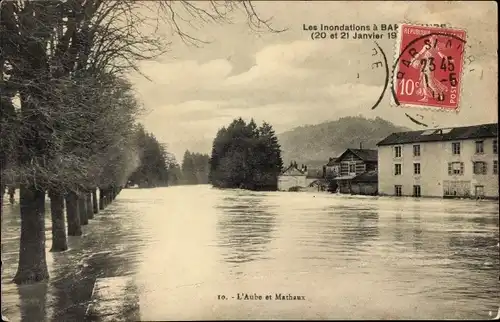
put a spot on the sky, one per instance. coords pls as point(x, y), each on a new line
point(290, 80)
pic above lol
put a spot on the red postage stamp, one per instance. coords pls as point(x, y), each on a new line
point(428, 68)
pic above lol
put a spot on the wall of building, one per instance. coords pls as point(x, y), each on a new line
point(351, 159)
point(344, 186)
point(364, 188)
point(332, 171)
point(285, 182)
point(308, 181)
point(434, 178)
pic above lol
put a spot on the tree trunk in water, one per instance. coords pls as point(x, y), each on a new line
point(59, 241)
point(90, 210)
point(72, 215)
point(12, 192)
point(82, 209)
point(2, 186)
point(95, 206)
point(107, 197)
point(32, 261)
point(101, 199)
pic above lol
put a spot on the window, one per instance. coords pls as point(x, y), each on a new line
point(495, 147)
point(397, 152)
point(397, 169)
point(416, 168)
point(397, 190)
point(495, 167)
point(479, 147)
point(352, 168)
point(416, 191)
point(416, 150)
point(479, 167)
point(455, 148)
point(455, 168)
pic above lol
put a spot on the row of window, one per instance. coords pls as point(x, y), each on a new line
point(455, 149)
point(417, 191)
point(480, 167)
point(454, 168)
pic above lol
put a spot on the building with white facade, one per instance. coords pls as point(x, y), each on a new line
point(299, 178)
point(448, 162)
point(292, 177)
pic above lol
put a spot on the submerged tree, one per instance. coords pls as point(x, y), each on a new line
point(246, 156)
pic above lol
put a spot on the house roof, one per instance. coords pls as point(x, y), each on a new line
point(363, 154)
point(445, 134)
point(368, 176)
point(331, 162)
point(293, 166)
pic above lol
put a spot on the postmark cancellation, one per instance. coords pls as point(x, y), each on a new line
point(427, 72)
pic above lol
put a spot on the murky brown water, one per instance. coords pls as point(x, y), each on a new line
point(351, 257)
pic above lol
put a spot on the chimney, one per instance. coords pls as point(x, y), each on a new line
point(330, 159)
point(305, 168)
point(360, 145)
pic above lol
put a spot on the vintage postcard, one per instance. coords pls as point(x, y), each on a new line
point(249, 160)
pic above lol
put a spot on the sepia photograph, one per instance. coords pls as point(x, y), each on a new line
point(249, 160)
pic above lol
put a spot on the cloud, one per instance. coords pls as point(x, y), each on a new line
point(289, 80)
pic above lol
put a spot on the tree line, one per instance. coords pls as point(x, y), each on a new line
point(195, 168)
point(68, 111)
point(153, 169)
point(192, 170)
point(245, 156)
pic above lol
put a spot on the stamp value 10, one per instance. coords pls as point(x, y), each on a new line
point(428, 68)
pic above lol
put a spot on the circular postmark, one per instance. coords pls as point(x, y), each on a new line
point(428, 70)
point(386, 66)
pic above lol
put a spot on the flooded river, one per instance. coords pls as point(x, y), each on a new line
point(349, 257)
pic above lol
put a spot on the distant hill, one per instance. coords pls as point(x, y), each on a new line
point(315, 144)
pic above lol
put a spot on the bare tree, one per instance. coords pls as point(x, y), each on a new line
point(49, 45)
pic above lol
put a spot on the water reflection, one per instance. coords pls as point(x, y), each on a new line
point(73, 272)
point(398, 227)
point(476, 253)
point(33, 301)
point(359, 227)
point(244, 228)
point(417, 232)
point(433, 259)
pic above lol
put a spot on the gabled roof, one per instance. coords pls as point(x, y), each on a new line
point(293, 166)
point(481, 131)
point(363, 154)
point(331, 162)
point(368, 176)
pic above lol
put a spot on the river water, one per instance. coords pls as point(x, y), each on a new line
point(350, 257)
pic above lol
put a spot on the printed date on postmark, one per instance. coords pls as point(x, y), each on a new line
point(428, 67)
